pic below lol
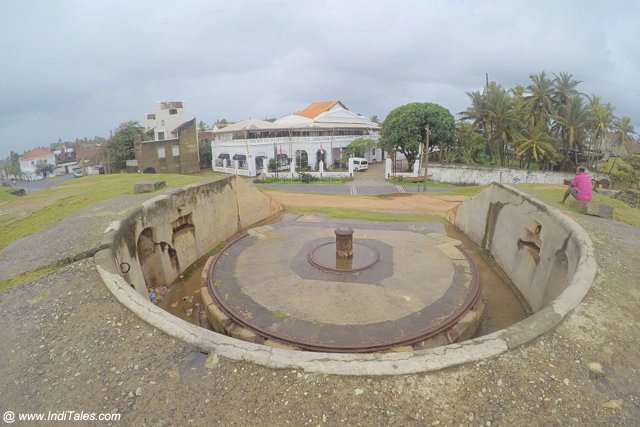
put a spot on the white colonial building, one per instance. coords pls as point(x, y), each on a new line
point(319, 133)
point(29, 162)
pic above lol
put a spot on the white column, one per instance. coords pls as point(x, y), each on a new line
point(388, 168)
point(350, 167)
point(292, 168)
point(321, 168)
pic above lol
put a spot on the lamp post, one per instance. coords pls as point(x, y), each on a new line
point(425, 154)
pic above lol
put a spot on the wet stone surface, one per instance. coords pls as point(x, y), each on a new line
point(420, 286)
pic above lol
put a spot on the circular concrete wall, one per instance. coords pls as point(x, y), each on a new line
point(530, 241)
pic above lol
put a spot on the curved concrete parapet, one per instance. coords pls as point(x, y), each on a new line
point(479, 217)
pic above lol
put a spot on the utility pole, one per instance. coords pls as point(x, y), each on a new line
point(425, 158)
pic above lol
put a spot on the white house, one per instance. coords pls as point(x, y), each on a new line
point(167, 117)
point(320, 132)
point(29, 162)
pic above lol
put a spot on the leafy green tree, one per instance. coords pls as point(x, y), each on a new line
point(405, 128)
point(206, 156)
point(359, 145)
point(470, 144)
point(120, 148)
point(202, 126)
point(13, 164)
point(43, 168)
point(375, 119)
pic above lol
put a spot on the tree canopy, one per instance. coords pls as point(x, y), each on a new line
point(549, 121)
point(359, 145)
point(120, 147)
point(404, 129)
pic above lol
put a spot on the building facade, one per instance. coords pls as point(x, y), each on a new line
point(167, 117)
point(319, 133)
point(177, 152)
point(29, 162)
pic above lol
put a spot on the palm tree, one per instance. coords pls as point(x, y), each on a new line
point(537, 144)
point(505, 119)
point(623, 136)
point(601, 120)
point(478, 113)
point(571, 124)
point(564, 88)
point(623, 133)
point(540, 98)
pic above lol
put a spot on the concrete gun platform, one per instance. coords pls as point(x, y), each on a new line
point(421, 286)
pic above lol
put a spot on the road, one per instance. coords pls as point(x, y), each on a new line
point(31, 186)
point(367, 183)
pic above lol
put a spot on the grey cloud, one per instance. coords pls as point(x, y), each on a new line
point(77, 68)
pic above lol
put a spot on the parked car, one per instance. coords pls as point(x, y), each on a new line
point(77, 173)
point(359, 164)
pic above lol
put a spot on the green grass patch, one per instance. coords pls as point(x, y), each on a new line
point(365, 215)
point(468, 191)
point(5, 195)
point(27, 277)
point(552, 196)
point(76, 194)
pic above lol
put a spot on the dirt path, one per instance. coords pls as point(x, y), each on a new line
point(405, 203)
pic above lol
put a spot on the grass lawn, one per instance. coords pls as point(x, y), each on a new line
point(365, 215)
point(552, 194)
point(5, 196)
point(48, 206)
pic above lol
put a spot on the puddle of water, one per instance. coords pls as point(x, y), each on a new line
point(504, 305)
point(183, 299)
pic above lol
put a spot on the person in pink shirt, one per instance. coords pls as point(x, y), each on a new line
point(580, 187)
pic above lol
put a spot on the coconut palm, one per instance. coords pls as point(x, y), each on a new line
point(536, 144)
point(506, 121)
point(564, 88)
point(571, 124)
point(601, 118)
point(540, 99)
point(624, 133)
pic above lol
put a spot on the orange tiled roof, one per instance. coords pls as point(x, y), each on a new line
point(316, 108)
point(36, 152)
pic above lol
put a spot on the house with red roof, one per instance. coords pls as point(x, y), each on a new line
point(313, 136)
point(29, 162)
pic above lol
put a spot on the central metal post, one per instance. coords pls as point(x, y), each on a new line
point(344, 243)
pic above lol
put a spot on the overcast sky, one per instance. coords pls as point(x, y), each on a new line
point(73, 69)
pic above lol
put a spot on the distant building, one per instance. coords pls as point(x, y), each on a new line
point(167, 117)
point(320, 132)
point(65, 160)
point(173, 144)
point(29, 162)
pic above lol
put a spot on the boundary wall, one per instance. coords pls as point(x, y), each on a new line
point(547, 255)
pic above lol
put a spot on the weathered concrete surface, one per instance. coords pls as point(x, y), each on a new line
point(594, 208)
point(160, 239)
point(542, 251)
point(148, 186)
point(96, 354)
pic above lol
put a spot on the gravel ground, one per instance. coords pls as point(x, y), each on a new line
point(74, 237)
point(69, 346)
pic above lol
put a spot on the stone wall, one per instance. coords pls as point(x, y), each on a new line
point(482, 175)
point(160, 239)
point(629, 196)
point(540, 249)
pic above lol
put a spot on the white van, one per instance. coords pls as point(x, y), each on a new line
point(359, 164)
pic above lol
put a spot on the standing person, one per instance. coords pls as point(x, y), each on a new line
point(580, 187)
